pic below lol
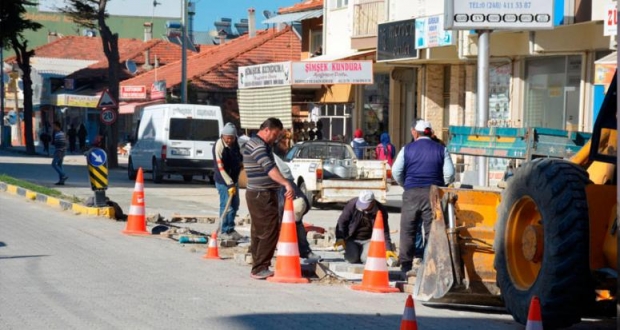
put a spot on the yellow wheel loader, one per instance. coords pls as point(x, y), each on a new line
point(551, 233)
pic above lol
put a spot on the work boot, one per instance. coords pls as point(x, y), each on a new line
point(235, 236)
point(312, 257)
point(261, 275)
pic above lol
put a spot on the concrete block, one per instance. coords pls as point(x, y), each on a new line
point(411, 280)
point(228, 243)
point(243, 258)
point(356, 269)
point(321, 270)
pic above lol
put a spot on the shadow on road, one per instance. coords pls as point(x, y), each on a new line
point(26, 256)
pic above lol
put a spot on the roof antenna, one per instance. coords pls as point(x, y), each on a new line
point(155, 4)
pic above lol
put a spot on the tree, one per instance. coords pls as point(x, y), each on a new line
point(92, 14)
point(12, 26)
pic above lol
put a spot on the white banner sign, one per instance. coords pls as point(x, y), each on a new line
point(429, 33)
point(611, 20)
point(133, 92)
point(265, 75)
point(499, 14)
point(340, 72)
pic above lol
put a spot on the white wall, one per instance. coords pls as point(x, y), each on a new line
point(338, 30)
point(405, 9)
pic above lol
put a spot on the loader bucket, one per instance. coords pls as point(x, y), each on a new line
point(458, 260)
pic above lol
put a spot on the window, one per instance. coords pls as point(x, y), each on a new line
point(336, 4)
point(189, 129)
point(316, 42)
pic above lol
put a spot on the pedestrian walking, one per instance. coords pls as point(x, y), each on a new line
point(60, 147)
point(419, 165)
point(72, 134)
point(264, 180)
point(228, 164)
point(385, 150)
point(45, 138)
point(82, 133)
point(358, 143)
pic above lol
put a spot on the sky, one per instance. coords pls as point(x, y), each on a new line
point(209, 11)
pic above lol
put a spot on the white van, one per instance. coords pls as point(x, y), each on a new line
point(175, 139)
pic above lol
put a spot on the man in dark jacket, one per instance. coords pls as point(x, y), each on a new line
point(228, 162)
point(355, 226)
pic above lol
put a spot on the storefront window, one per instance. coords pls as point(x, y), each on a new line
point(499, 95)
point(376, 108)
point(552, 92)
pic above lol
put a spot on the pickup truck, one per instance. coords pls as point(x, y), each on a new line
point(329, 172)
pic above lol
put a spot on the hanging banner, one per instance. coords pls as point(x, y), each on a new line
point(265, 75)
point(429, 33)
point(158, 90)
point(329, 73)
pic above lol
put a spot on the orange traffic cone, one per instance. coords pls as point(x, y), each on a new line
point(408, 321)
point(376, 277)
point(288, 268)
point(534, 319)
point(212, 250)
point(136, 221)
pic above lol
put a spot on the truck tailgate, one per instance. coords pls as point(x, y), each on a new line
point(344, 190)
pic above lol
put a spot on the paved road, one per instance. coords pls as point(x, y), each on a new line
point(61, 271)
point(58, 270)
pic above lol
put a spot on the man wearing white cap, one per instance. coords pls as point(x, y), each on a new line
point(355, 226)
point(419, 165)
point(228, 163)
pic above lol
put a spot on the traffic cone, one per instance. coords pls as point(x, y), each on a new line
point(212, 250)
point(408, 321)
point(136, 221)
point(288, 268)
point(534, 319)
point(376, 277)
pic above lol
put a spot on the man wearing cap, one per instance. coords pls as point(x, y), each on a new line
point(228, 163)
point(419, 165)
point(355, 225)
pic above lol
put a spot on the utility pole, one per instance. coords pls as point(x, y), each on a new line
point(184, 51)
point(483, 98)
point(2, 137)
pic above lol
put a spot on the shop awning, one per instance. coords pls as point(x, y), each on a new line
point(87, 98)
point(609, 59)
point(126, 108)
point(294, 17)
point(343, 56)
point(258, 104)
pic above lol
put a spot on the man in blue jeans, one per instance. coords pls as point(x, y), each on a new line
point(60, 147)
point(228, 163)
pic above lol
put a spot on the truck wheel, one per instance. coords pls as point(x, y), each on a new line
point(131, 172)
point(309, 194)
point(156, 174)
point(188, 178)
point(541, 242)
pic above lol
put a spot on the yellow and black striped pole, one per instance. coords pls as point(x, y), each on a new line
point(97, 160)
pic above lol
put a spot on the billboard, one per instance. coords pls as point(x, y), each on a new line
point(498, 15)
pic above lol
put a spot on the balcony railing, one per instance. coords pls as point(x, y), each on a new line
point(366, 16)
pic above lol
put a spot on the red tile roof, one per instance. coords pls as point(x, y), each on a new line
point(216, 68)
point(302, 6)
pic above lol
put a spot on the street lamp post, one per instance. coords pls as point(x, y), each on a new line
point(2, 137)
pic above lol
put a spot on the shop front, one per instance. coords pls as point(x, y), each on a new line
point(72, 110)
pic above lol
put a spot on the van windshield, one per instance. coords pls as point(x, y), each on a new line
point(192, 129)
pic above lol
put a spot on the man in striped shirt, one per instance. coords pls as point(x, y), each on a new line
point(60, 145)
point(264, 180)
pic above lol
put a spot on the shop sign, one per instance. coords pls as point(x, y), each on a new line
point(604, 73)
point(79, 101)
point(498, 15)
point(396, 40)
point(429, 33)
point(611, 20)
point(133, 92)
point(158, 90)
point(329, 73)
point(265, 75)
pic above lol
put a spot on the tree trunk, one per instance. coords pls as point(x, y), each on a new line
point(110, 48)
point(28, 107)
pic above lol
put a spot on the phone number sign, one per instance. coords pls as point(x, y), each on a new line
point(498, 15)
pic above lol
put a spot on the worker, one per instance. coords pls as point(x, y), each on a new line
point(228, 164)
point(301, 204)
point(355, 226)
point(419, 165)
point(264, 181)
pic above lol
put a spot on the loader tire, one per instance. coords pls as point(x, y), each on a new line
point(545, 203)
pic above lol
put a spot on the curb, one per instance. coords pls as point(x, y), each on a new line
point(76, 208)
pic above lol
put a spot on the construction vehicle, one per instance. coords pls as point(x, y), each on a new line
point(551, 233)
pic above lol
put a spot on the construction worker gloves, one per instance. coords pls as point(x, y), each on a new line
point(390, 254)
point(339, 244)
point(232, 191)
